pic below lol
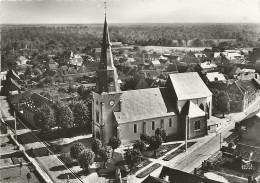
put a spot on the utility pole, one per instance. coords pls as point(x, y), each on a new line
point(186, 132)
point(15, 128)
point(220, 141)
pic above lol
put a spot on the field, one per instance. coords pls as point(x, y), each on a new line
point(164, 49)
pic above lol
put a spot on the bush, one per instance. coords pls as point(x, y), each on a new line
point(76, 149)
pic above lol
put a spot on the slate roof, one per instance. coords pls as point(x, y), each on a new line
point(243, 150)
point(141, 104)
point(189, 85)
point(249, 86)
point(38, 100)
point(178, 176)
point(192, 110)
point(212, 75)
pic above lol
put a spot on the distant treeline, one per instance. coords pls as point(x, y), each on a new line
point(54, 37)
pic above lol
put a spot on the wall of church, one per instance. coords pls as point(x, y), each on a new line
point(195, 133)
point(127, 133)
point(205, 101)
point(103, 108)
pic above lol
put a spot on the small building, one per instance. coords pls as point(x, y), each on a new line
point(215, 76)
point(32, 103)
point(169, 175)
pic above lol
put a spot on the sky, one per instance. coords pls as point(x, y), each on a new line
point(129, 11)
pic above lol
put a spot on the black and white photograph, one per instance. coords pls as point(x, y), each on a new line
point(130, 91)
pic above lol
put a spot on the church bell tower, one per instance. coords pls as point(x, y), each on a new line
point(106, 98)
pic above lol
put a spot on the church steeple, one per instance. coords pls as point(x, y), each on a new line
point(107, 78)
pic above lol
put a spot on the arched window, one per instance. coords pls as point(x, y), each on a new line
point(135, 128)
point(97, 116)
point(162, 123)
point(202, 106)
point(170, 122)
point(153, 126)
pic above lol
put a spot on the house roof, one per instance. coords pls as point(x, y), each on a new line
point(150, 73)
point(235, 71)
point(212, 75)
point(249, 86)
point(192, 110)
point(18, 87)
point(178, 176)
point(156, 62)
point(243, 151)
point(151, 179)
point(189, 85)
point(207, 65)
point(141, 104)
point(38, 100)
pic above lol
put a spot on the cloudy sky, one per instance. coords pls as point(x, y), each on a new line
point(129, 11)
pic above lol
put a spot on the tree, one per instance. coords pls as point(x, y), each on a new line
point(223, 102)
point(86, 158)
point(114, 142)
point(145, 138)
point(161, 132)
point(197, 43)
point(104, 155)
point(140, 145)
point(84, 92)
point(81, 115)
point(64, 115)
point(44, 118)
point(28, 176)
point(132, 156)
point(76, 149)
point(96, 146)
point(155, 143)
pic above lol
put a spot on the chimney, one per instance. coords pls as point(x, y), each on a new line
point(166, 178)
point(215, 79)
point(195, 171)
point(256, 76)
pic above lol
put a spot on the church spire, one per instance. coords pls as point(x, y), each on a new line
point(107, 78)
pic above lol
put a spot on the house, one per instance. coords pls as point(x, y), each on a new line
point(169, 175)
point(215, 76)
point(241, 93)
point(185, 99)
point(32, 103)
point(207, 66)
point(247, 74)
point(156, 64)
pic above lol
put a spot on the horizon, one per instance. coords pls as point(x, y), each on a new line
point(130, 12)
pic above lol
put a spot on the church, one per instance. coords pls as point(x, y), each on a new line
point(185, 100)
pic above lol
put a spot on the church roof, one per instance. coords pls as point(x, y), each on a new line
point(189, 85)
point(141, 104)
point(192, 110)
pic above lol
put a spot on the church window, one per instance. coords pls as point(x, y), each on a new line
point(153, 126)
point(197, 125)
point(97, 116)
point(170, 122)
point(162, 123)
point(135, 128)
